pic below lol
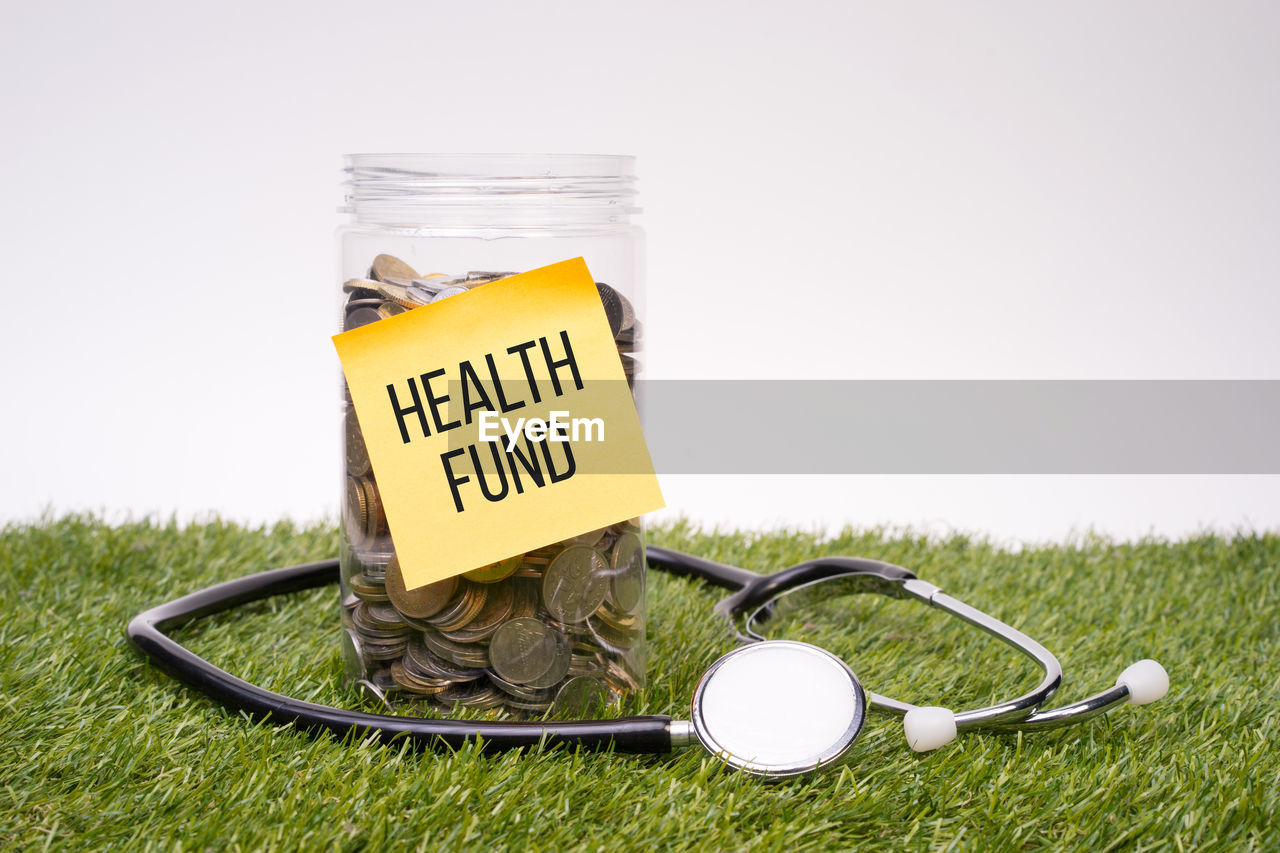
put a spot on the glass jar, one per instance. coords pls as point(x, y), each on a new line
point(559, 629)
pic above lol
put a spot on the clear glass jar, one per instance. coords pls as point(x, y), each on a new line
point(560, 628)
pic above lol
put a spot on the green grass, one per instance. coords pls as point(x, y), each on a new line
point(98, 749)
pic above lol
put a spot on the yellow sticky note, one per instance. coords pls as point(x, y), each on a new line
point(433, 387)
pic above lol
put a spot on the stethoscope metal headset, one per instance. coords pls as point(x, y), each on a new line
point(810, 714)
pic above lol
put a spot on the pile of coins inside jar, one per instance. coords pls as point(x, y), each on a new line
point(557, 629)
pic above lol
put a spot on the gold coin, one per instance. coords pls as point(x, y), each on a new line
point(357, 514)
point(460, 615)
point(628, 572)
point(357, 454)
point(497, 608)
point(417, 603)
point(362, 586)
point(495, 572)
point(388, 267)
point(400, 295)
point(376, 517)
point(591, 538)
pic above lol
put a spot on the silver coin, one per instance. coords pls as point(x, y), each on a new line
point(420, 660)
point(362, 316)
point(353, 654)
point(523, 649)
point(373, 693)
point(559, 666)
point(583, 696)
point(628, 313)
point(575, 584)
point(612, 306)
point(480, 696)
point(520, 691)
point(420, 292)
point(452, 290)
point(384, 652)
point(468, 656)
point(384, 615)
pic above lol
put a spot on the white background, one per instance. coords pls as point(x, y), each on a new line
point(832, 189)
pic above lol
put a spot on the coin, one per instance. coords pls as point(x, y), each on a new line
point(627, 580)
point(628, 313)
point(612, 306)
point(359, 289)
point(420, 294)
point(374, 630)
point(630, 339)
point(357, 454)
point(416, 684)
point(390, 267)
point(361, 317)
point(559, 665)
point(353, 653)
point(582, 695)
point(462, 609)
point(495, 572)
point(357, 511)
point(468, 655)
point(420, 603)
point(480, 697)
point(372, 693)
point(368, 589)
point(521, 691)
point(575, 584)
point(375, 519)
point(384, 615)
point(452, 290)
point(421, 660)
point(405, 296)
point(591, 538)
point(609, 638)
point(498, 603)
point(388, 651)
point(627, 623)
point(523, 649)
point(390, 309)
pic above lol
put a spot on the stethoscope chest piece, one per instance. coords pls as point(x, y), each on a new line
point(778, 708)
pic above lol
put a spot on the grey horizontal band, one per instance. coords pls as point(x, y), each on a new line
point(962, 427)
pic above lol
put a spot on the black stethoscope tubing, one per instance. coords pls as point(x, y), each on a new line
point(147, 632)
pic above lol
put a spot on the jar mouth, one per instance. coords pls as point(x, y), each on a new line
point(496, 164)
point(431, 189)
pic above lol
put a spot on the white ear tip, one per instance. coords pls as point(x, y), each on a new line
point(929, 727)
point(1147, 681)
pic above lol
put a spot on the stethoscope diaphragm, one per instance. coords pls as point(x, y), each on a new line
point(778, 708)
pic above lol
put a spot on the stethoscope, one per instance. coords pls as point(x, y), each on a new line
point(771, 708)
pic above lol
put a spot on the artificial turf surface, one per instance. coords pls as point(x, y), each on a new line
point(98, 749)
